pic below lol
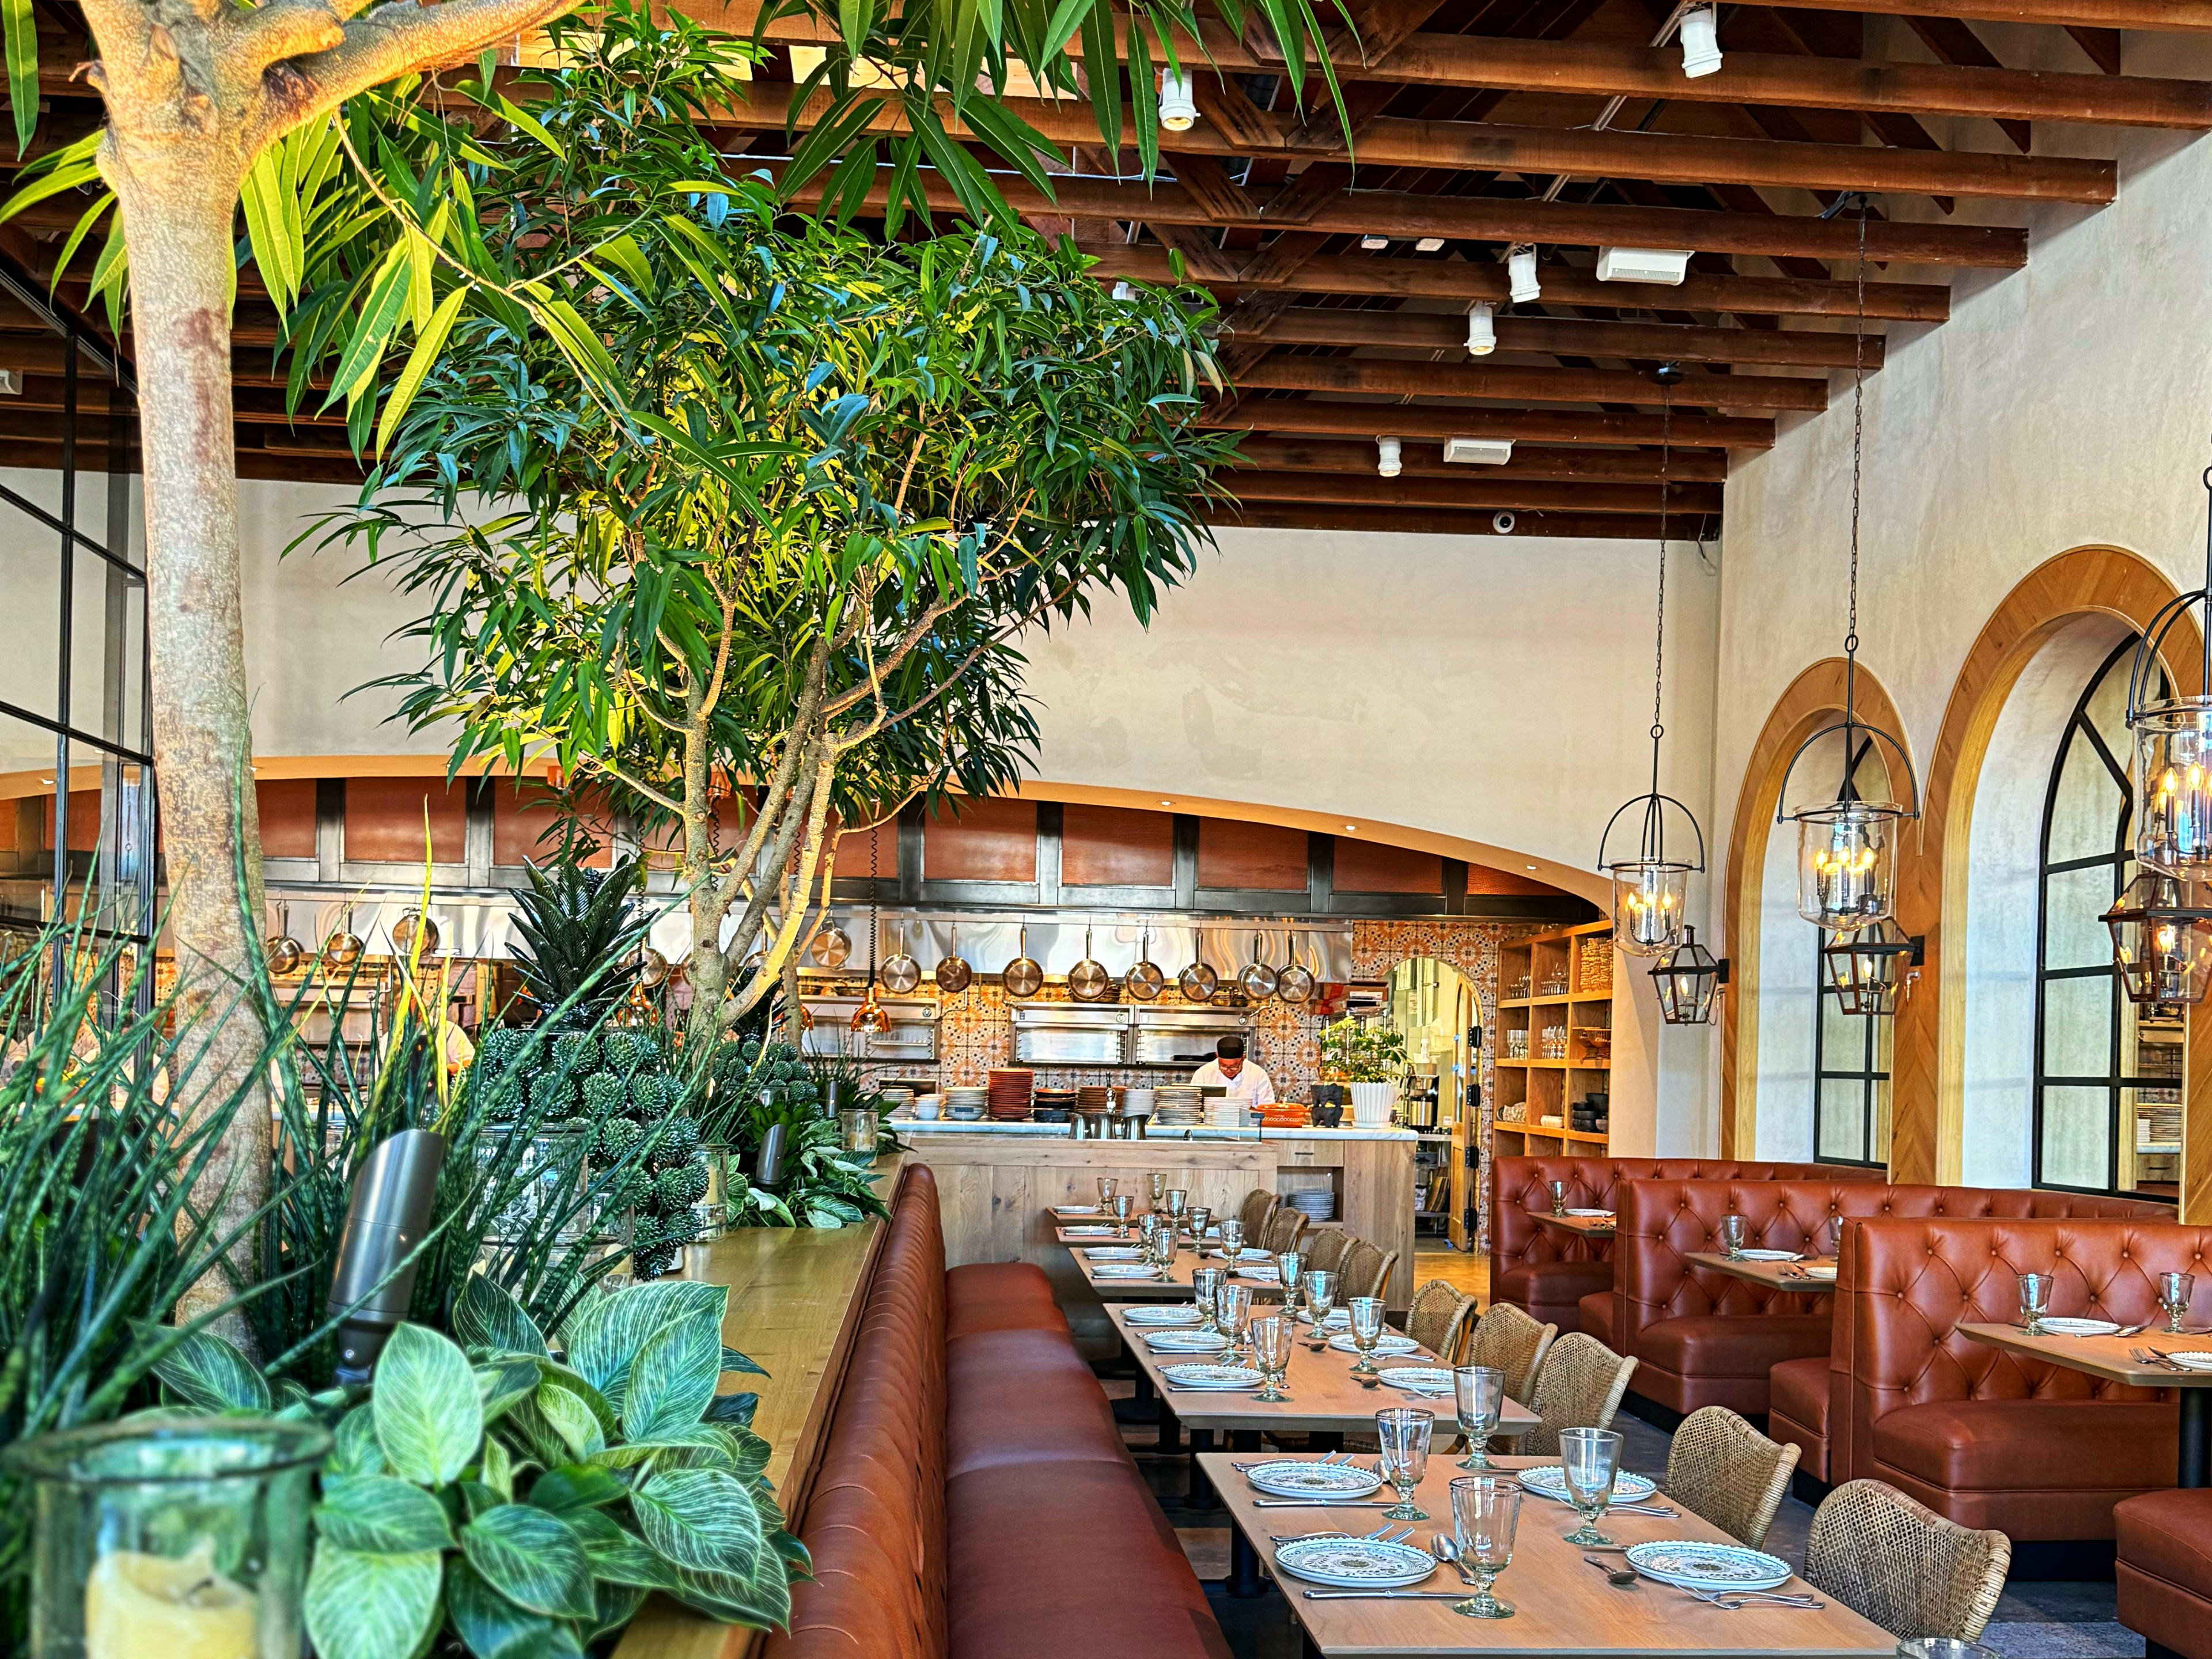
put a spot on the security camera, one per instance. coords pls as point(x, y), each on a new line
point(1503, 524)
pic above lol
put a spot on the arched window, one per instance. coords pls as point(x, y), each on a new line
point(1850, 1052)
point(2107, 1075)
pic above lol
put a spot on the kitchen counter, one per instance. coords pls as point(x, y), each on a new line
point(1169, 1134)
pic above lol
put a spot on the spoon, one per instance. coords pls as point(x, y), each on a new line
point(1618, 1577)
point(1445, 1548)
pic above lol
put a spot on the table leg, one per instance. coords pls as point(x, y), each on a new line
point(2196, 1437)
point(1142, 1405)
point(1201, 1489)
point(1170, 1438)
point(1244, 1440)
point(1245, 1580)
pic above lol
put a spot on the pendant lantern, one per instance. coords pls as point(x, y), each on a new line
point(2162, 939)
point(871, 1015)
point(1866, 967)
point(1688, 982)
point(1847, 847)
point(1651, 890)
point(2173, 773)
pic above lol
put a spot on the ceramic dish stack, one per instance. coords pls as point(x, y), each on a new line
point(1315, 1206)
point(1174, 1104)
point(965, 1105)
point(1054, 1105)
point(1094, 1099)
point(1009, 1093)
point(898, 1100)
point(1228, 1114)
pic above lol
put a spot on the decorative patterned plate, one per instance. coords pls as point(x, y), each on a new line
point(1305, 1480)
point(1354, 1563)
point(1391, 1342)
point(1421, 1379)
point(2190, 1360)
point(1271, 1273)
point(1708, 1566)
point(2079, 1327)
point(1224, 1378)
point(1089, 1232)
point(1592, 1214)
point(1123, 1270)
point(1164, 1313)
point(1770, 1255)
point(1339, 1319)
point(1114, 1253)
point(1075, 1209)
point(1550, 1480)
point(1187, 1342)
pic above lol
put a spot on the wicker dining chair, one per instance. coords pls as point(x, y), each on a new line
point(1364, 1271)
point(1258, 1204)
point(1285, 1228)
point(1896, 1562)
point(1578, 1386)
point(1437, 1318)
point(1726, 1471)
point(1507, 1339)
point(1325, 1249)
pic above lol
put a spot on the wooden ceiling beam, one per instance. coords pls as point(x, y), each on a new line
point(1626, 467)
point(1349, 419)
point(1468, 493)
point(1557, 336)
point(1374, 376)
point(1955, 42)
point(2183, 16)
point(1417, 521)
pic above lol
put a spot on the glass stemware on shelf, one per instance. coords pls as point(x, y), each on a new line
point(1320, 1300)
point(1478, 1396)
point(1206, 1286)
point(1233, 1241)
point(1404, 1433)
point(1590, 1458)
point(1232, 1306)
point(1123, 1203)
point(1486, 1514)
point(1366, 1333)
point(2175, 1291)
point(1271, 1355)
point(2034, 1301)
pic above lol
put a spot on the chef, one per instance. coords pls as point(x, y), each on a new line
point(1229, 1069)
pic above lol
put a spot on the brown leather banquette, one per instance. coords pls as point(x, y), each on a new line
point(1981, 1435)
point(974, 1500)
point(2165, 1570)
point(1705, 1338)
point(1547, 1272)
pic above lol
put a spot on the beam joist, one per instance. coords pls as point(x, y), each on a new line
point(2181, 16)
point(1427, 459)
point(1470, 488)
point(1353, 419)
point(1416, 521)
point(1559, 337)
point(1374, 376)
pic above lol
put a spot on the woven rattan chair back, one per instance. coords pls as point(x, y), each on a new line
point(1258, 1204)
point(1897, 1563)
point(1285, 1229)
point(1325, 1249)
point(1359, 1272)
point(1578, 1386)
point(1729, 1472)
point(1435, 1317)
point(1507, 1339)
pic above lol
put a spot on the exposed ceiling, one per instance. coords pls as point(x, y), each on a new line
point(1477, 124)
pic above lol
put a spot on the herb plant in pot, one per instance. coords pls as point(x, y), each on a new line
point(1371, 1060)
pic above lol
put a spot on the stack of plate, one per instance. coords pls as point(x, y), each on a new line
point(1094, 1099)
point(1054, 1105)
point(1227, 1113)
point(1175, 1102)
point(1315, 1206)
point(965, 1104)
point(1010, 1088)
point(1138, 1102)
point(897, 1098)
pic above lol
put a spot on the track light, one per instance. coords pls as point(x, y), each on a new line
point(1123, 291)
point(1388, 460)
point(1374, 244)
point(1178, 110)
point(1482, 329)
point(1521, 276)
point(1429, 245)
point(1701, 46)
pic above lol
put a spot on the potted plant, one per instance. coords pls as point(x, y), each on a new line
point(1369, 1057)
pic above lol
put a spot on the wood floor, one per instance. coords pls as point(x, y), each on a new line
point(1466, 1272)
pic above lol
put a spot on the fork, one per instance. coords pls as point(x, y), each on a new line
point(2153, 1357)
point(1733, 1599)
point(1364, 1537)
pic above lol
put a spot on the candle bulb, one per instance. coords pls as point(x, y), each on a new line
point(156, 1607)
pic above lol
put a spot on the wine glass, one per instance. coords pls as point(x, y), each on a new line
point(1271, 1353)
point(1165, 1244)
point(1478, 1392)
point(1732, 1236)
point(1106, 1186)
point(1159, 1185)
point(2174, 1290)
point(1404, 1432)
point(1205, 1285)
point(2034, 1301)
point(1832, 1238)
point(1289, 1269)
point(1233, 1242)
point(1485, 1512)
point(1201, 1219)
point(1590, 1458)
point(1366, 1333)
point(1178, 1202)
point(1559, 1198)
point(1122, 1205)
point(1321, 1297)
point(1232, 1306)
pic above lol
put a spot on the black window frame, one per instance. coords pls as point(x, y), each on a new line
point(1871, 1073)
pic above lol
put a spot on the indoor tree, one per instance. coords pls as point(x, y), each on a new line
point(894, 460)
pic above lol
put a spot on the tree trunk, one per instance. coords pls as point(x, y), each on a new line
point(177, 199)
point(702, 1029)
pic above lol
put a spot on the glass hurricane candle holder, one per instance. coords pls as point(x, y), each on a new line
point(170, 1536)
point(859, 1129)
point(2172, 787)
point(1847, 864)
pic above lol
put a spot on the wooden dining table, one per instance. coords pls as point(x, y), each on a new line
point(1582, 1226)
point(2108, 1357)
point(1176, 1285)
point(1773, 1275)
point(1563, 1606)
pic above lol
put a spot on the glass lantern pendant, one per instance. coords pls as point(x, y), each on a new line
point(2171, 779)
point(2162, 939)
point(1866, 968)
point(1688, 982)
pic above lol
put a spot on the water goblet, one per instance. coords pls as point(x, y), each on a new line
point(1321, 1297)
point(1178, 1204)
point(1485, 1512)
point(1732, 1236)
point(1200, 1219)
point(1232, 1306)
point(1106, 1186)
point(1366, 1333)
point(1205, 1285)
point(1832, 1237)
point(1122, 1205)
point(1233, 1242)
point(2034, 1301)
point(1290, 1267)
point(1166, 1244)
point(1478, 1394)
point(1559, 1198)
point(1590, 1458)
point(1159, 1185)
point(1404, 1432)
point(1270, 1353)
point(2174, 1290)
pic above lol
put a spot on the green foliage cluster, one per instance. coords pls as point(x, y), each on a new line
point(758, 1085)
point(1362, 1051)
point(575, 923)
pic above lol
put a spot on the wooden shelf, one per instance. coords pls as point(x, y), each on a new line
point(1548, 1087)
point(1538, 1132)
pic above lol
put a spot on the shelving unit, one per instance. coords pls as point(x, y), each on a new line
point(1554, 1038)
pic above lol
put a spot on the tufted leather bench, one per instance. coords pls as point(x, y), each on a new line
point(1989, 1438)
point(1548, 1272)
point(1704, 1338)
point(2165, 1570)
point(974, 1500)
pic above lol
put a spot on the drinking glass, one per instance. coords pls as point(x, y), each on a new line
point(1404, 1432)
point(1178, 1202)
point(1122, 1205)
point(1732, 1236)
point(1832, 1239)
point(1106, 1185)
point(1559, 1198)
point(1159, 1184)
point(1164, 1243)
point(1205, 1285)
point(1233, 1242)
point(1478, 1392)
point(1201, 1219)
point(1321, 1297)
point(1233, 1305)
point(1486, 1511)
point(1590, 1457)
point(2034, 1301)
point(1270, 1353)
point(1290, 1267)
point(2174, 1290)
point(1366, 1333)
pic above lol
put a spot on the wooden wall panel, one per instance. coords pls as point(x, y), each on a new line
point(989, 840)
point(1234, 854)
point(1370, 866)
point(83, 821)
point(519, 816)
point(1116, 847)
point(286, 806)
point(384, 820)
point(1481, 878)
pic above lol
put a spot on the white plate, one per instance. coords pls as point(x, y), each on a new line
point(1770, 1255)
point(2193, 1360)
point(1114, 1253)
point(1550, 1480)
point(1339, 1319)
point(1123, 1270)
point(1391, 1343)
point(1690, 1565)
point(1265, 1275)
point(1075, 1209)
point(1354, 1563)
point(1592, 1214)
point(1820, 1270)
point(1088, 1232)
point(1226, 1378)
point(2080, 1327)
point(1421, 1379)
point(1309, 1480)
point(1170, 1314)
point(1187, 1342)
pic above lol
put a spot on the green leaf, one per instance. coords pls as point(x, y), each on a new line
point(491, 1626)
point(506, 1384)
point(532, 1556)
point(429, 1419)
point(429, 342)
point(673, 1379)
point(604, 1337)
point(371, 1606)
point(21, 29)
point(376, 1515)
point(497, 1468)
point(354, 1450)
point(206, 1371)
point(702, 1519)
point(577, 1425)
point(734, 1361)
point(618, 1554)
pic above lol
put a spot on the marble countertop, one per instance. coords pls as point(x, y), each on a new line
point(916, 1127)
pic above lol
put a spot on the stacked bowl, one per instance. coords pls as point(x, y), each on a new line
point(1054, 1105)
point(965, 1104)
point(1315, 1206)
point(1009, 1093)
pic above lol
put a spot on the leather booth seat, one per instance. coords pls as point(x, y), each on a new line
point(1797, 1410)
point(2165, 1570)
point(974, 1499)
point(1549, 1274)
point(1594, 1312)
point(1979, 1434)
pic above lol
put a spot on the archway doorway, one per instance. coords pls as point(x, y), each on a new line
point(1438, 1010)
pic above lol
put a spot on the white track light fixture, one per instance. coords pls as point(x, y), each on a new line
point(1482, 329)
point(1123, 291)
point(1701, 46)
point(1374, 244)
point(1388, 461)
point(1178, 109)
point(1521, 276)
